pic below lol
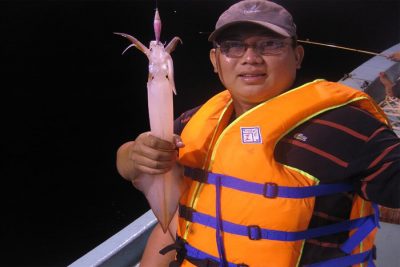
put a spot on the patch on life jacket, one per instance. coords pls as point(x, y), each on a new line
point(251, 135)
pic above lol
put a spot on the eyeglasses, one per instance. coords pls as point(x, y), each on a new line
point(236, 49)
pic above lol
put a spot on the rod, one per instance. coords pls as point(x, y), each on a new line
point(341, 47)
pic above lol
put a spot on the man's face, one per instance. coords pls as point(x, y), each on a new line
point(255, 77)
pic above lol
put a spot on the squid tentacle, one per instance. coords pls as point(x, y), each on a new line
point(135, 42)
point(126, 49)
point(172, 44)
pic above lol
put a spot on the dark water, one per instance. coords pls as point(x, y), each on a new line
point(69, 99)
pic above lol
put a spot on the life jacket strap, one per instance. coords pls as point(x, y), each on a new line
point(362, 232)
point(254, 232)
point(367, 256)
point(202, 257)
point(196, 174)
point(268, 190)
point(197, 256)
point(203, 262)
point(179, 246)
point(218, 232)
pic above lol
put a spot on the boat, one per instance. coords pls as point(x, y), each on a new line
point(366, 78)
point(126, 247)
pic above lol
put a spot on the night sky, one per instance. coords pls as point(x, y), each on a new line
point(69, 100)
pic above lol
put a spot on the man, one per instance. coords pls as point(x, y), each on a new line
point(278, 176)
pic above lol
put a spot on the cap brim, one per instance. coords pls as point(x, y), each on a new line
point(266, 25)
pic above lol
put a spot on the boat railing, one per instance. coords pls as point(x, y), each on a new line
point(124, 249)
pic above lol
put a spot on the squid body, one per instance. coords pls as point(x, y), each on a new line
point(162, 191)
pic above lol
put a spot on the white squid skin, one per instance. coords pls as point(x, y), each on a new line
point(162, 191)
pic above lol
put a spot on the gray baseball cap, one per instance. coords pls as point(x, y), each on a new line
point(261, 12)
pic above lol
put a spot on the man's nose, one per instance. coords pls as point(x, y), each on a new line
point(251, 55)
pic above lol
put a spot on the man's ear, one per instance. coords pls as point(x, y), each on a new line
point(213, 59)
point(299, 55)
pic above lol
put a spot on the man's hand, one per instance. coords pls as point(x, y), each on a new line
point(147, 155)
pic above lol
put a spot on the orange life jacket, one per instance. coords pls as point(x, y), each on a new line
point(238, 208)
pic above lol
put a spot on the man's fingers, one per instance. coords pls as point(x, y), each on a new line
point(178, 141)
point(154, 164)
point(153, 168)
point(153, 154)
point(157, 143)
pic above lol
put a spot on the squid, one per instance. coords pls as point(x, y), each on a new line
point(161, 191)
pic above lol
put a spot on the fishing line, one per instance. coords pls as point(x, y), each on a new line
point(341, 47)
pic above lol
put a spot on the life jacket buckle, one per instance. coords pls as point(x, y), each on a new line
point(196, 174)
point(254, 232)
point(186, 213)
point(270, 190)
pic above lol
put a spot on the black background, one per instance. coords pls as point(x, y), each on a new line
point(69, 99)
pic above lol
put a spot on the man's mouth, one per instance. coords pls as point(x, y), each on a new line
point(253, 78)
point(251, 75)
